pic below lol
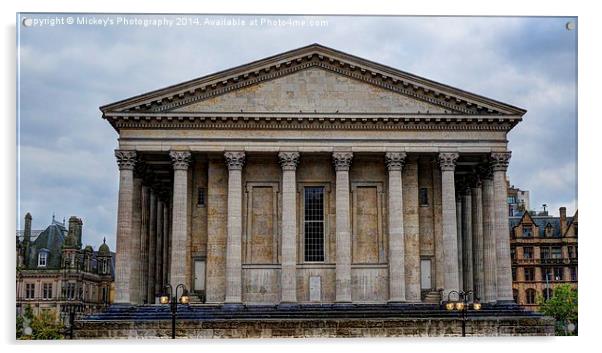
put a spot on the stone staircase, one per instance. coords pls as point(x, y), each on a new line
point(206, 312)
point(432, 297)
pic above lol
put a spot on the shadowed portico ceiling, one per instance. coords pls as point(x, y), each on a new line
point(167, 105)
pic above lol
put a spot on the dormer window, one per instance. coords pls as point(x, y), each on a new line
point(527, 232)
point(42, 259)
point(549, 230)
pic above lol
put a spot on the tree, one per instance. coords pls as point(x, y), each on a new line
point(562, 306)
point(44, 326)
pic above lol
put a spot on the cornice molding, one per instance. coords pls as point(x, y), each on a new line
point(310, 121)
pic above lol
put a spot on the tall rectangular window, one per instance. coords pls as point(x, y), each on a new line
point(529, 274)
point(30, 290)
point(556, 252)
point(527, 252)
point(545, 253)
point(313, 223)
point(423, 197)
point(200, 197)
point(47, 291)
point(558, 273)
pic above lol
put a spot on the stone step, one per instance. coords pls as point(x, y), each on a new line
point(254, 312)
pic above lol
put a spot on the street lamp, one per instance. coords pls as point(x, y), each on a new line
point(461, 305)
point(71, 308)
point(170, 298)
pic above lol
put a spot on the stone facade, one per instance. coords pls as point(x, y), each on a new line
point(544, 255)
point(54, 270)
point(313, 176)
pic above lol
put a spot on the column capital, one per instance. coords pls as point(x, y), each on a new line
point(395, 160)
point(342, 160)
point(289, 160)
point(447, 161)
point(499, 161)
point(235, 160)
point(180, 159)
point(126, 160)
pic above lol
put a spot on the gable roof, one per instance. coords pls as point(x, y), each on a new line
point(457, 100)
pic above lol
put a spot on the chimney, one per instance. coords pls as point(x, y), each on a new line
point(78, 233)
point(562, 220)
point(27, 232)
point(75, 230)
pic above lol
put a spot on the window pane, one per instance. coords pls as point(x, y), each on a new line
point(314, 223)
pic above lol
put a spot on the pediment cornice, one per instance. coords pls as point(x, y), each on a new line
point(305, 121)
point(315, 55)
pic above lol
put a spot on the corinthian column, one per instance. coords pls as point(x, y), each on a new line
point(342, 162)
point(159, 250)
point(499, 165)
point(447, 162)
point(489, 252)
point(136, 256)
point(477, 237)
point(179, 235)
point(397, 290)
point(126, 160)
point(467, 237)
point(235, 161)
point(289, 161)
point(152, 244)
point(144, 254)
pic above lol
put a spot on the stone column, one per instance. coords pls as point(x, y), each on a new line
point(289, 161)
point(166, 240)
point(459, 239)
point(411, 230)
point(447, 162)
point(342, 162)
point(126, 160)
point(439, 256)
point(136, 259)
point(235, 162)
point(467, 238)
point(477, 237)
point(144, 254)
point(397, 290)
point(179, 227)
point(152, 247)
point(489, 252)
point(159, 250)
point(499, 164)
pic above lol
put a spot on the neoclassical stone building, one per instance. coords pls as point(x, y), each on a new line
point(312, 176)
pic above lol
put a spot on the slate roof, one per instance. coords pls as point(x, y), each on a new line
point(51, 239)
point(541, 222)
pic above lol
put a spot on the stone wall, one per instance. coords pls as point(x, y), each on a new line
point(419, 327)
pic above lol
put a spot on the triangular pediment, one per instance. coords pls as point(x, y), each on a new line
point(308, 79)
point(312, 90)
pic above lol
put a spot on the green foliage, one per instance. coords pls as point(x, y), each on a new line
point(44, 326)
point(562, 306)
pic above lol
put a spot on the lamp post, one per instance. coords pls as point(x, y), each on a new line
point(461, 305)
point(171, 298)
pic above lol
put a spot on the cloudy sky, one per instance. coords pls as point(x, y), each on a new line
point(66, 72)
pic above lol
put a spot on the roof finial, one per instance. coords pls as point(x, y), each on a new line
point(104, 240)
point(53, 217)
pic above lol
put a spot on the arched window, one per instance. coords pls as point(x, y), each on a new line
point(530, 296)
point(548, 293)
